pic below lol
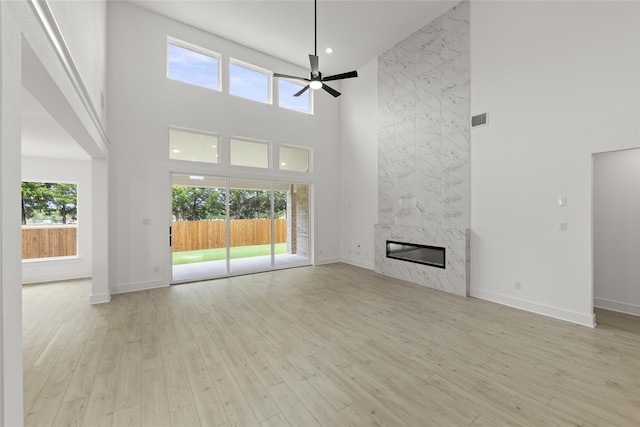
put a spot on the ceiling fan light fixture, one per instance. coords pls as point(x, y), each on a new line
point(316, 80)
point(315, 84)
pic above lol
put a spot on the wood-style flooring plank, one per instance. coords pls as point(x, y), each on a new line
point(326, 345)
point(154, 405)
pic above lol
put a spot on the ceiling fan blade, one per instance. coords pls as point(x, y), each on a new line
point(313, 59)
point(286, 76)
point(348, 75)
point(301, 91)
point(332, 91)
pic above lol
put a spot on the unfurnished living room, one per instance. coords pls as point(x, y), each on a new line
point(320, 213)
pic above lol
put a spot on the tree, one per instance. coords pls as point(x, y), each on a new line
point(63, 199)
point(215, 203)
point(237, 203)
point(34, 198)
point(280, 204)
point(197, 203)
point(200, 203)
point(180, 202)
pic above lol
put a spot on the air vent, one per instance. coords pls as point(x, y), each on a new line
point(479, 120)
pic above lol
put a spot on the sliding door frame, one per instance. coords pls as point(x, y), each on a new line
point(273, 181)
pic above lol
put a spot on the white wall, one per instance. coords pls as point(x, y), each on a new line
point(616, 230)
point(11, 412)
point(359, 166)
point(66, 171)
point(84, 27)
point(561, 80)
point(143, 103)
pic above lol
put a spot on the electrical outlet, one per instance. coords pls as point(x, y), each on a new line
point(563, 226)
point(156, 269)
point(518, 286)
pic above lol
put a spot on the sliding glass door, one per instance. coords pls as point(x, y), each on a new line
point(250, 244)
point(227, 226)
point(199, 227)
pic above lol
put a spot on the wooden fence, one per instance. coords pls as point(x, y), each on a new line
point(194, 235)
point(49, 241)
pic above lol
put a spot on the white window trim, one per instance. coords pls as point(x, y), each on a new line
point(198, 49)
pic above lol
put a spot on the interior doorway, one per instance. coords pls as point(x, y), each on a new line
point(224, 226)
point(616, 231)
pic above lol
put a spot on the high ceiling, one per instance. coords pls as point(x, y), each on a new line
point(42, 136)
point(357, 30)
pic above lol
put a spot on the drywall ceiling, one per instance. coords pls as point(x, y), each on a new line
point(42, 135)
point(357, 30)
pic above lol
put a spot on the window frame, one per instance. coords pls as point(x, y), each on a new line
point(197, 49)
point(72, 225)
point(268, 73)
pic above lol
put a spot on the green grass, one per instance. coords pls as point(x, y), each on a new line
point(218, 254)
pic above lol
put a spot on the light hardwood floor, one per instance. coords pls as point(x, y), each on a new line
point(329, 345)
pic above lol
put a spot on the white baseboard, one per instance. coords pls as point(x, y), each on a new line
point(585, 319)
point(139, 286)
point(99, 299)
point(621, 307)
point(358, 263)
point(326, 261)
point(54, 277)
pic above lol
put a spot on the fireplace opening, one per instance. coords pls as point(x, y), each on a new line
point(421, 254)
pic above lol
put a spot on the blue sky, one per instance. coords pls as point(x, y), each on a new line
point(196, 68)
point(192, 67)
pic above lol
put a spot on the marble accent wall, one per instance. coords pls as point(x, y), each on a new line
point(423, 150)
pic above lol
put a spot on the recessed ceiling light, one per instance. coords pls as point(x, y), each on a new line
point(196, 177)
point(176, 150)
point(283, 164)
point(329, 50)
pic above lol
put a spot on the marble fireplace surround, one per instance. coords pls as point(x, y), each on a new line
point(452, 279)
point(424, 151)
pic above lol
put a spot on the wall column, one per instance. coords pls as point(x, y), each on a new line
point(11, 401)
point(100, 291)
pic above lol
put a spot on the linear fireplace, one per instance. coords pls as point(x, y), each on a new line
point(421, 254)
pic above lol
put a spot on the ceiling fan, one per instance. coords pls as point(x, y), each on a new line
point(315, 80)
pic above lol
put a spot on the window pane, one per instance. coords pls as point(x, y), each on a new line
point(49, 220)
point(252, 154)
point(198, 230)
point(192, 146)
point(286, 90)
point(196, 68)
point(248, 83)
point(294, 159)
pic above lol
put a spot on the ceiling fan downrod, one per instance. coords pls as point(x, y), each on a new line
point(315, 80)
